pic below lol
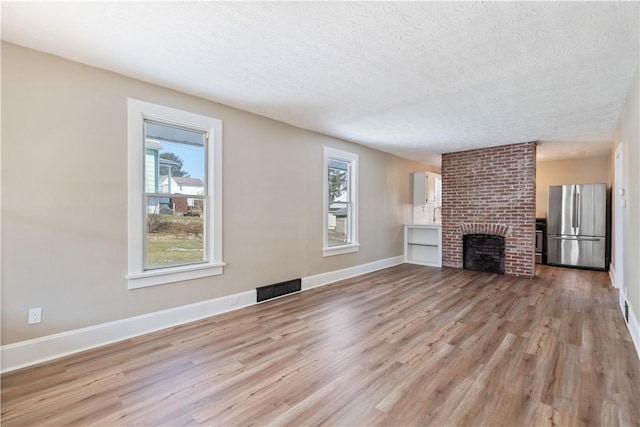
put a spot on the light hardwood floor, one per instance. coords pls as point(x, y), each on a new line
point(408, 345)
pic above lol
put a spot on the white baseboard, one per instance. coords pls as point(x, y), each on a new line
point(632, 325)
point(612, 275)
point(38, 350)
point(322, 279)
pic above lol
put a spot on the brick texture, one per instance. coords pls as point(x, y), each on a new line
point(491, 191)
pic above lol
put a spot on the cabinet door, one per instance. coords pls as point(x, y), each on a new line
point(433, 188)
point(419, 188)
point(439, 190)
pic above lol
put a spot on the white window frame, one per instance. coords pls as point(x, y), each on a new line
point(352, 159)
point(137, 276)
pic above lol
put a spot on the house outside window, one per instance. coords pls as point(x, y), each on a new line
point(340, 202)
point(175, 200)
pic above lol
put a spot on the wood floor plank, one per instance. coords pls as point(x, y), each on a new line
point(548, 416)
point(408, 345)
point(563, 379)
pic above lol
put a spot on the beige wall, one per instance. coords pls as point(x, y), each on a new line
point(592, 170)
point(628, 134)
point(64, 183)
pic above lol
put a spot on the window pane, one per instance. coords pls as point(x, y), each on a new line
point(174, 160)
point(338, 181)
point(339, 223)
point(175, 166)
point(173, 239)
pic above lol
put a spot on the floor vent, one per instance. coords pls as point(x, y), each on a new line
point(278, 289)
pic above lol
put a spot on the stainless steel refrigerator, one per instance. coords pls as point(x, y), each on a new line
point(577, 225)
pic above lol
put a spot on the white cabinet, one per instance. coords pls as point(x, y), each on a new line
point(423, 245)
point(426, 188)
point(434, 188)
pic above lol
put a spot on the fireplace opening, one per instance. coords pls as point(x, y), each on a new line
point(483, 252)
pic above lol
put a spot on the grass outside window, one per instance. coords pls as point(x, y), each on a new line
point(174, 240)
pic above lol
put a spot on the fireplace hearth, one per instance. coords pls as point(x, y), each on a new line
point(483, 252)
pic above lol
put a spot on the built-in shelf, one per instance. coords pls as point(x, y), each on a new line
point(423, 244)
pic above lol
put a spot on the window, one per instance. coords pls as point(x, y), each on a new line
point(340, 202)
point(175, 195)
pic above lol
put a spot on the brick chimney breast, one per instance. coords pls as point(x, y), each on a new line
point(491, 191)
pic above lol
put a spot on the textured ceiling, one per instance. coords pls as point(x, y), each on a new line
point(414, 79)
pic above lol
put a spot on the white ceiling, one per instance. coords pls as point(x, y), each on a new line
point(414, 79)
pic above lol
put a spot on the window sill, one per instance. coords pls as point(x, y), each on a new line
point(339, 250)
point(173, 274)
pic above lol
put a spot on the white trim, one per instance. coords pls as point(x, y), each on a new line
point(137, 276)
point(322, 279)
point(612, 275)
point(352, 159)
point(38, 350)
point(342, 249)
point(173, 274)
point(632, 325)
point(30, 352)
point(618, 232)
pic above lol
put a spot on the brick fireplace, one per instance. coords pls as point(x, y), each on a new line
point(491, 191)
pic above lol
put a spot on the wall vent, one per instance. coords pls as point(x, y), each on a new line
point(626, 311)
point(278, 289)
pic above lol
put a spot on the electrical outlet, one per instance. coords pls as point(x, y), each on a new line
point(35, 315)
point(233, 300)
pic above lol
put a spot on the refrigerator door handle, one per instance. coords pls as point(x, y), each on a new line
point(574, 207)
point(578, 209)
point(581, 239)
